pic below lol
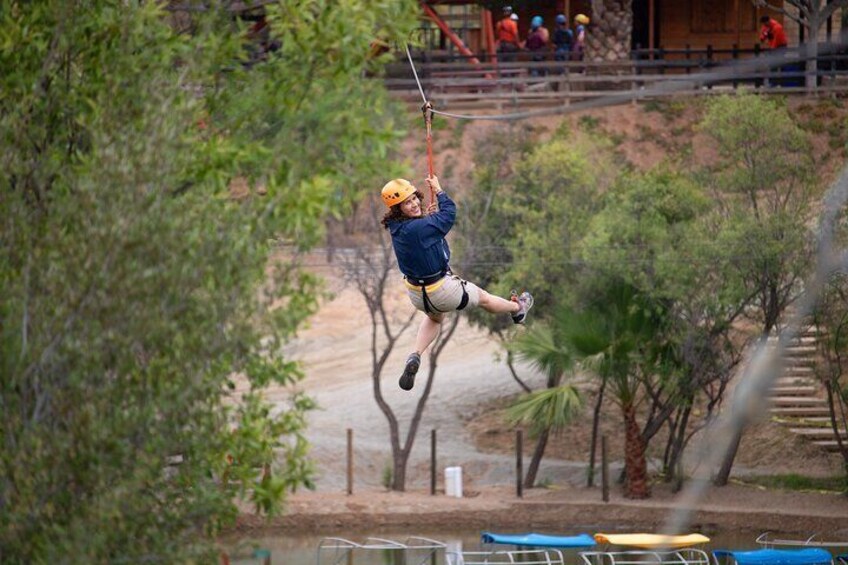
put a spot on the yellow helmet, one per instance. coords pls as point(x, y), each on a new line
point(396, 191)
point(582, 19)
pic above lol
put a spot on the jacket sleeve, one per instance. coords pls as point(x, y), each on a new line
point(439, 224)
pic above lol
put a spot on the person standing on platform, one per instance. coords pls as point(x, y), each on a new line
point(563, 39)
point(580, 23)
point(506, 32)
point(772, 33)
point(537, 43)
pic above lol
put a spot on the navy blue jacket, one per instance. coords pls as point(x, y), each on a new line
point(419, 243)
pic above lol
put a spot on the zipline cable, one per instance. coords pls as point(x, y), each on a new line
point(415, 74)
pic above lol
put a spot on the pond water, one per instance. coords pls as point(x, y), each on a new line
point(303, 549)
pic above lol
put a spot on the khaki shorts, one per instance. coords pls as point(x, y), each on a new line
point(444, 295)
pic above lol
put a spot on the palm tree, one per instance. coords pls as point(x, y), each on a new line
point(549, 410)
point(615, 337)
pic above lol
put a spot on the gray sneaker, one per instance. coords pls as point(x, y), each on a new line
point(407, 379)
point(525, 302)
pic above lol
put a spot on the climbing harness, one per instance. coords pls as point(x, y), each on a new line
point(435, 282)
point(422, 283)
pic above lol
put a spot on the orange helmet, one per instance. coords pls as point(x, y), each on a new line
point(581, 19)
point(396, 191)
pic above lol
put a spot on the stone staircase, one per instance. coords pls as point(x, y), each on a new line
point(798, 398)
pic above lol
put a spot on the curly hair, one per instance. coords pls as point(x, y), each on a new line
point(395, 214)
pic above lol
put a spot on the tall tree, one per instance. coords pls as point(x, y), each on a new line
point(764, 184)
point(136, 290)
point(610, 334)
point(635, 243)
point(524, 198)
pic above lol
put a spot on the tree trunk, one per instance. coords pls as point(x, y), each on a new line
point(675, 462)
point(838, 431)
point(724, 472)
point(635, 464)
point(399, 460)
point(596, 418)
point(610, 33)
point(811, 79)
point(538, 453)
point(672, 433)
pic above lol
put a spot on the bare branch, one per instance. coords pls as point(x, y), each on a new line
point(779, 9)
point(514, 373)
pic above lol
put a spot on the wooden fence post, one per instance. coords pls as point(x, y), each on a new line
point(432, 462)
point(519, 471)
point(604, 470)
point(349, 461)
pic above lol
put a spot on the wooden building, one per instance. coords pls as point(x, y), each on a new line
point(667, 24)
point(722, 24)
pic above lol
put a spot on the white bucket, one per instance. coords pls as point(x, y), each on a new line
point(453, 481)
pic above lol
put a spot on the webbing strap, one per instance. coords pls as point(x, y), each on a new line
point(429, 308)
point(463, 302)
point(427, 108)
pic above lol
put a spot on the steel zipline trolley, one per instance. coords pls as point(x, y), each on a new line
point(413, 551)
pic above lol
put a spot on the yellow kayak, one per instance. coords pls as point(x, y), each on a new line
point(652, 541)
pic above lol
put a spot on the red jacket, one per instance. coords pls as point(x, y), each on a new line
point(507, 31)
point(774, 34)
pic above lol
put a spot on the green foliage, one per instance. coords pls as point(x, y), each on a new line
point(136, 291)
point(764, 182)
point(589, 124)
point(536, 210)
point(542, 347)
point(486, 222)
point(765, 158)
point(644, 229)
point(830, 319)
point(794, 481)
point(616, 332)
point(388, 475)
point(548, 409)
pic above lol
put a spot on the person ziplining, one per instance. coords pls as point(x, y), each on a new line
point(423, 256)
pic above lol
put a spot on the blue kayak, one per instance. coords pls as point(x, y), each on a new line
point(539, 540)
point(806, 556)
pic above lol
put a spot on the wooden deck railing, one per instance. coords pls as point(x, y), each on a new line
point(525, 83)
